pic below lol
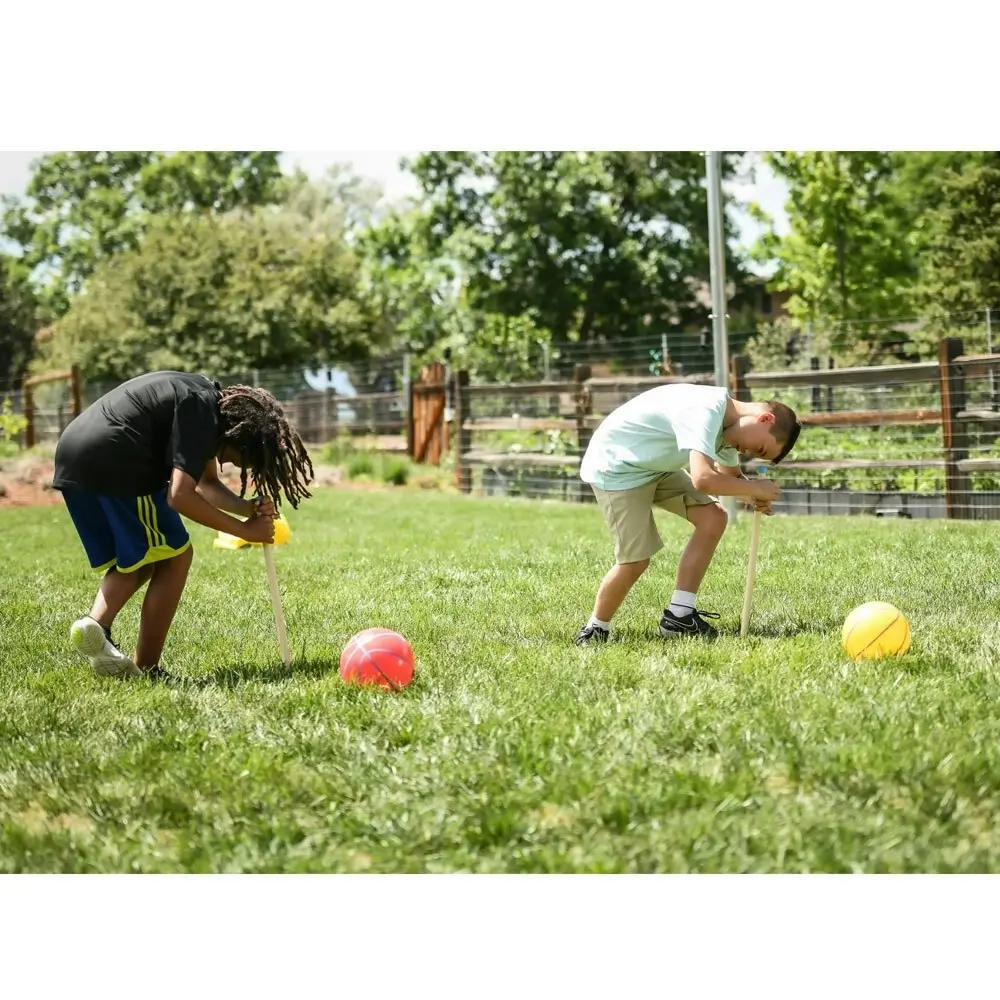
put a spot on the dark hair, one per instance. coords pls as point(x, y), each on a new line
point(271, 452)
point(786, 427)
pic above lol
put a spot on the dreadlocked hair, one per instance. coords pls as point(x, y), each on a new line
point(273, 456)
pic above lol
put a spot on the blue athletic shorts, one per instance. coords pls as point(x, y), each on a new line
point(126, 532)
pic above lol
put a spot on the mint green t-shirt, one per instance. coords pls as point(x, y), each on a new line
point(654, 433)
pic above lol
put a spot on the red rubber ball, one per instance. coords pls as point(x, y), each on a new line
point(377, 656)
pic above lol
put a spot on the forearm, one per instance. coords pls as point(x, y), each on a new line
point(222, 497)
point(725, 485)
point(194, 506)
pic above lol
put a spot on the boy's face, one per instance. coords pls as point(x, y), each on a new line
point(752, 436)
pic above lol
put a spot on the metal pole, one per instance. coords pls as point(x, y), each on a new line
point(326, 406)
point(545, 363)
point(717, 254)
point(663, 354)
point(717, 257)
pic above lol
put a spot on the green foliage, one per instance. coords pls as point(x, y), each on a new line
point(11, 424)
point(340, 203)
point(19, 319)
point(877, 238)
point(413, 293)
point(360, 464)
point(498, 348)
point(962, 262)
point(337, 450)
point(847, 257)
point(378, 466)
point(365, 462)
point(871, 444)
point(396, 471)
point(545, 442)
point(84, 207)
point(590, 246)
point(218, 294)
point(774, 346)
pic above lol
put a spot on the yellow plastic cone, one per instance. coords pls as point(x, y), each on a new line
point(282, 534)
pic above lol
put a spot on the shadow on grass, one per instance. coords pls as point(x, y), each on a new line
point(774, 630)
point(788, 630)
point(231, 675)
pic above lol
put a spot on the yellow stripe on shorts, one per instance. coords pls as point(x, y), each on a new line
point(162, 538)
point(147, 517)
point(142, 519)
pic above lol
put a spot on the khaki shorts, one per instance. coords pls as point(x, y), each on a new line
point(629, 513)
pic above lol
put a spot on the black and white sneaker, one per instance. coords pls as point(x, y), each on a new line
point(692, 624)
point(591, 634)
point(93, 640)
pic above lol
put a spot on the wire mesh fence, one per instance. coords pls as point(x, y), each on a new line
point(912, 439)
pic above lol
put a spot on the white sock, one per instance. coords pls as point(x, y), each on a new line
point(682, 603)
point(597, 621)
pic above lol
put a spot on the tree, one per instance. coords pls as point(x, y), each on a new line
point(341, 202)
point(590, 246)
point(220, 294)
point(83, 207)
point(847, 258)
point(19, 319)
point(962, 261)
point(414, 294)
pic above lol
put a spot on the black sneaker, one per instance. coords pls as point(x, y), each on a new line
point(692, 624)
point(591, 634)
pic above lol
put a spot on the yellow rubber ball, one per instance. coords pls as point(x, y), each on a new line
point(874, 630)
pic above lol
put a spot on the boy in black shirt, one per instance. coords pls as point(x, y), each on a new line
point(146, 453)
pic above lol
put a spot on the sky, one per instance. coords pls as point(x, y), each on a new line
point(769, 191)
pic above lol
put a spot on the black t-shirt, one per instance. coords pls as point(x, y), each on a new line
point(127, 443)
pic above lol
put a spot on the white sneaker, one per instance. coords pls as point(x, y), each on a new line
point(105, 657)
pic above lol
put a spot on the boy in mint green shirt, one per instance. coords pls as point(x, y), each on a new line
point(677, 447)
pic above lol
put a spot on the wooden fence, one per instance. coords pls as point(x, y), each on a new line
point(575, 408)
point(71, 375)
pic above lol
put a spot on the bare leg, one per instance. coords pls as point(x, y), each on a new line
point(160, 606)
point(709, 522)
point(615, 586)
point(115, 592)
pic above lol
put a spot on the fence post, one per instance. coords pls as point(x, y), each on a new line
point(829, 388)
point(29, 415)
point(739, 365)
point(994, 381)
point(76, 388)
point(582, 407)
point(954, 431)
point(444, 445)
point(411, 442)
point(817, 392)
point(463, 435)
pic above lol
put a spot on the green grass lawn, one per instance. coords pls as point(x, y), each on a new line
point(512, 751)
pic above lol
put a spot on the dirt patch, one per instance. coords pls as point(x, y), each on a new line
point(27, 482)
